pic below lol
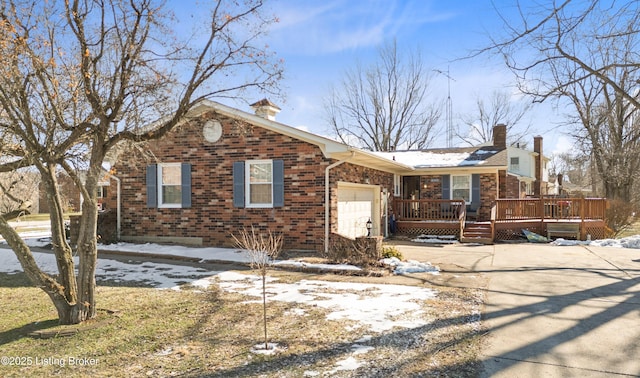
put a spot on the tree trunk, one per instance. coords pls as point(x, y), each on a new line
point(46, 282)
point(88, 256)
point(74, 299)
point(62, 251)
point(617, 191)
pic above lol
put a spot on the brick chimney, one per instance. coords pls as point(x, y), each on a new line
point(537, 147)
point(500, 135)
point(266, 109)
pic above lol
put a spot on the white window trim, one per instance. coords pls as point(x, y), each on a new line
point(161, 203)
point(470, 188)
point(247, 184)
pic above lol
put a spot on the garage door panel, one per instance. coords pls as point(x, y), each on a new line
point(355, 208)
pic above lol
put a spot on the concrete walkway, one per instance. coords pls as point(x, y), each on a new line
point(553, 311)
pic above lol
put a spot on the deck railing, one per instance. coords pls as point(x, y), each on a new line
point(550, 208)
point(429, 210)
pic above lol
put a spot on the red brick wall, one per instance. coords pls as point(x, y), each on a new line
point(212, 216)
point(431, 187)
point(512, 186)
point(488, 194)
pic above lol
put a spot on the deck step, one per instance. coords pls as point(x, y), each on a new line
point(478, 240)
point(477, 232)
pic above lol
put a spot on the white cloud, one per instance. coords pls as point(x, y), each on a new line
point(317, 29)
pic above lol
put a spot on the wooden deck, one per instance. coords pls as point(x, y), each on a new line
point(508, 216)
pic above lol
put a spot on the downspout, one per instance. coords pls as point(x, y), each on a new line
point(327, 202)
point(118, 205)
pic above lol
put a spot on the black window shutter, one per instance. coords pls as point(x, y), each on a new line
point(238, 184)
point(152, 185)
point(185, 175)
point(475, 191)
point(446, 187)
point(278, 183)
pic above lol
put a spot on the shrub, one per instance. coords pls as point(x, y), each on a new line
point(619, 216)
point(389, 251)
point(358, 252)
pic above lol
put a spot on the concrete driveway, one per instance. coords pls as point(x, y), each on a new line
point(553, 311)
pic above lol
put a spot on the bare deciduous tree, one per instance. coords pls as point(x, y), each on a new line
point(262, 249)
point(18, 192)
point(498, 108)
point(384, 107)
point(585, 54)
point(79, 77)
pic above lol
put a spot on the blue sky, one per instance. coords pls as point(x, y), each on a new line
point(319, 40)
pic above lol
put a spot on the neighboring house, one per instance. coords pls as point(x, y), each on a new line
point(527, 173)
point(69, 195)
point(72, 198)
point(224, 169)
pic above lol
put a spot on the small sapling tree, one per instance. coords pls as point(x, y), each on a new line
point(263, 248)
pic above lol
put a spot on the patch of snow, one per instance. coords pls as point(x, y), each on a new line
point(202, 283)
point(34, 238)
point(272, 348)
point(410, 266)
point(564, 242)
point(311, 373)
point(349, 363)
point(377, 307)
point(627, 242)
point(164, 352)
point(301, 264)
point(361, 349)
point(210, 253)
point(433, 239)
point(202, 253)
point(155, 274)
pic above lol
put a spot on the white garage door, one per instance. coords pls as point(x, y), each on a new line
point(356, 205)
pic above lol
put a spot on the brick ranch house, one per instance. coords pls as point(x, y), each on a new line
point(224, 169)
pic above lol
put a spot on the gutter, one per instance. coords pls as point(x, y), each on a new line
point(327, 202)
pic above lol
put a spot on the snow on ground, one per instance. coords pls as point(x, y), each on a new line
point(377, 307)
point(628, 242)
point(410, 266)
point(153, 274)
point(435, 239)
point(202, 253)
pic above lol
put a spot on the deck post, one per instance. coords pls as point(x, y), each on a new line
point(583, 231)
point(541, 212)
